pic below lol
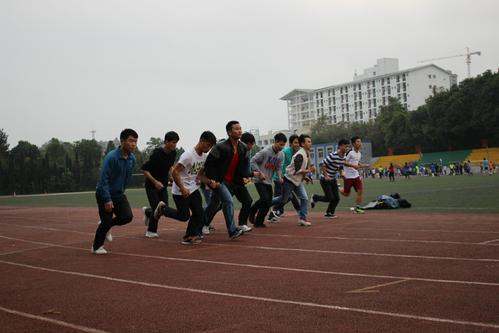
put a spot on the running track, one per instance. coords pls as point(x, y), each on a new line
point(378, 272)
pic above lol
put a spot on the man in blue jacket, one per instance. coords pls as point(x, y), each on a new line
point(111, 199)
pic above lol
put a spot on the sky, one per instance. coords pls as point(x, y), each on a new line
point(72, 66)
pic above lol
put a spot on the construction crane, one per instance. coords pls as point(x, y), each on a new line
point(467, 58)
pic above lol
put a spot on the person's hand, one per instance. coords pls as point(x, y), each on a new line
point(312, 169)
point(281, 180)
point(185, 192)
point(246, 181)
point(108, 207)
point(159, 185)
point(259, 175)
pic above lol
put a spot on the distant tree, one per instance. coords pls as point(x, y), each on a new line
point(152, 144)
point(110, 146)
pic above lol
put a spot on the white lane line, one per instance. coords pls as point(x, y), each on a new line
point(340, 252)
point(422, 230)
point(278, 268)
point(52, 321)
point(26, 250)
point(257, 298)
point(490, 241)
point(374, 239)
point(375, 288)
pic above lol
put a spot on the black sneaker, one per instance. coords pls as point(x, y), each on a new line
point(187, 241)
point(260, 225)
point(330, 216)
point(312, 203)
point(236, 234)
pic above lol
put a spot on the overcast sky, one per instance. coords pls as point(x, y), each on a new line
point(70, 66)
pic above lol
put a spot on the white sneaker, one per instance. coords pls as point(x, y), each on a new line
point(304, 223)
point(146, 219)
point(206, 230)
point(150, 234)
point(159, 210)
point(100, 250)
point(245, 228)
point(109, 237)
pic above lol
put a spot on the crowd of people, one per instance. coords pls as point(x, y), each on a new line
point(219, 171)
point(487, 167)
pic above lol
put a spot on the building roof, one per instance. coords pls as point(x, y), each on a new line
point(294, 91)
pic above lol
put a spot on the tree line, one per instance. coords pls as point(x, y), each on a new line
point(464, 117)
point(58, 166)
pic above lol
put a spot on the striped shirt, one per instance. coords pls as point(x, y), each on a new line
point(333, 163)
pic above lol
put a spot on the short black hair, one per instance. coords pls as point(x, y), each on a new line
point(171, 136)
point(127, 132)
point(247, 137)
point(280, 137)
point(301, 138)
point(292, 138)
point(353, 139)
point(229, 125)
point(343, 142)
point(209, 137)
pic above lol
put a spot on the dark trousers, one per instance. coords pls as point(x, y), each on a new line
point(392, 176)
point(122, 215)
point(190, 209)
point(155, 196)
point(331, 194)
point(261, 206)
point(278, 191)
point(241, 193)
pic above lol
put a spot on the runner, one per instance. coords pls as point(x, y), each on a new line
point(115, 174)
point(331, 168)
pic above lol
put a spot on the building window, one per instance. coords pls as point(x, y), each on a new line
point(389, 90)
point(398, 78)
point(374, 102)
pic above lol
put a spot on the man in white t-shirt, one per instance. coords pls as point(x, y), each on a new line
point(186, 180)
point(351, 176)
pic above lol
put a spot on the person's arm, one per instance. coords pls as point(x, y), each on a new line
point(207, 181)
point(257, 159)
point(146, 170)
point(179, 167)
point(105, 177)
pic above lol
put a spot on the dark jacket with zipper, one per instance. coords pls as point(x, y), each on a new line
point(218, 161)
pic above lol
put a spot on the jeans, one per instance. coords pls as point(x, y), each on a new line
point(223, 195)
point(261, 206)
point(287, 190)
point(194, 203)
point(122, 215)
point(332, 195)
point(293, 197)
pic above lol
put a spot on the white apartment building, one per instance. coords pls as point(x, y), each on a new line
point(361, 99)
point(267, 139)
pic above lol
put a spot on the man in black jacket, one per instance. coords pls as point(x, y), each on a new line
point(228, 165)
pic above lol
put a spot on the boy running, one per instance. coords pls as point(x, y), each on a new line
point(228, 165)
point(186, 180)
point(293, 180)
point(352, 176)
point(332, 165)
point(265, 163)
point(115, 174)
point(288, 152)
point(157, 172)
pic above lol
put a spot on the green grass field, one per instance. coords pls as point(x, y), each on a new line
point(477, 194)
